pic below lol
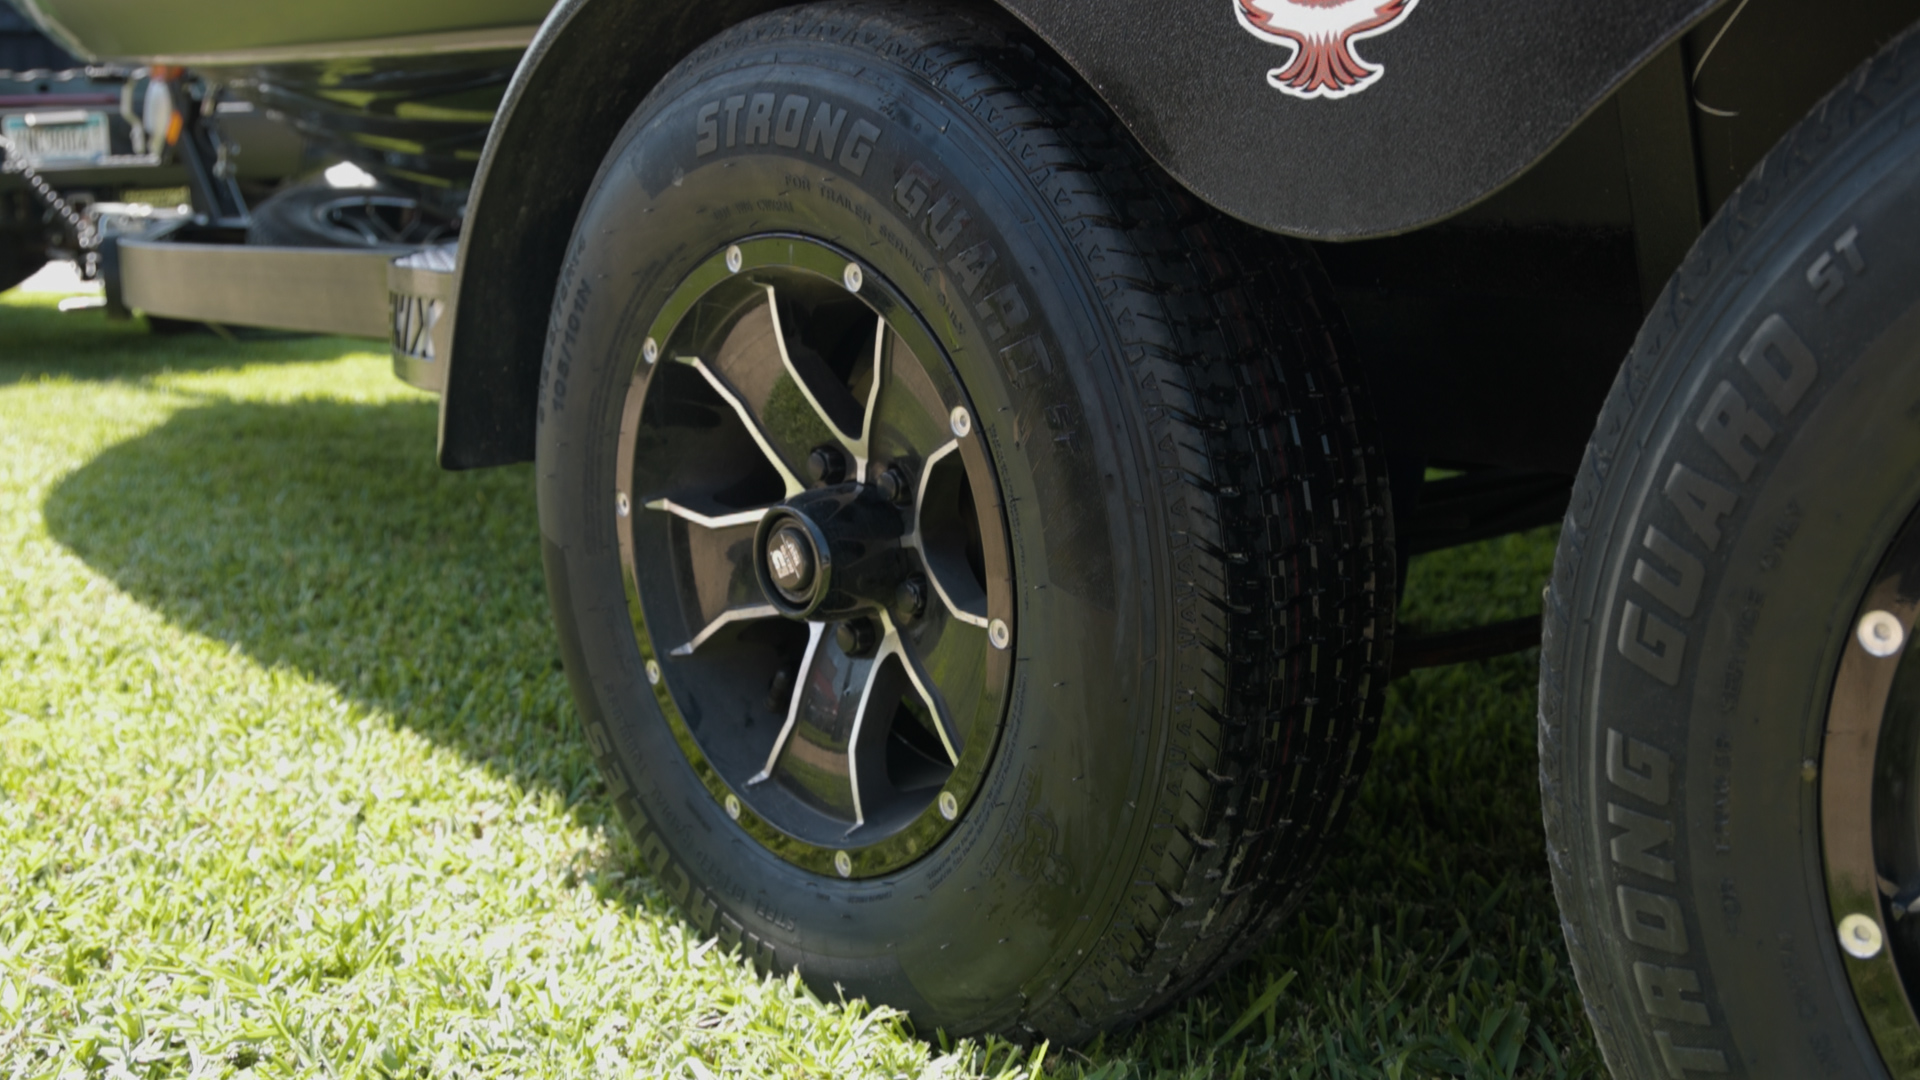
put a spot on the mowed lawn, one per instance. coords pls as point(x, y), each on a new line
point(290, 782)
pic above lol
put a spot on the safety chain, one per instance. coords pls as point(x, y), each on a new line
point(83, 229)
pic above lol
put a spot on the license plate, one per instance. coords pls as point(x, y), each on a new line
point(70, 137)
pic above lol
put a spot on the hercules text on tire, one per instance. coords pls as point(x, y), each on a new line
point(973, 573)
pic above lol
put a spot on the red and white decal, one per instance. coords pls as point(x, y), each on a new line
point(1322, 34)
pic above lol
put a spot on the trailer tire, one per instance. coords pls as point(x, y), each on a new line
point(1755, 463)
point(316, 214)
point(1181, 648)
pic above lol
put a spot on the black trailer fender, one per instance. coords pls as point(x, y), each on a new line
point(1328, 120)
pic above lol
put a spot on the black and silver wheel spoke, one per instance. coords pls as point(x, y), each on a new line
point(836, 748)
point(719, 578)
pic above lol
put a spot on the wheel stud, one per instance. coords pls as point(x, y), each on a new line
point(827, 465)
point(910, 599)
point(856, 637)
point(894, 486)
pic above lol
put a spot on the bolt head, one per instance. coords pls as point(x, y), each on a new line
point(827, 465)
point(653, 672)
point(733, 258)
point(1880, 633)
point(949, 806)
point(999, 633)
point(1860, 936)
point(893, 485)
point(961, 420)
point(843, 863)
point(733, 807)
point(910, 599)
point(650, 352)
point(623, 504)
point(852, 277)
point(856, 637)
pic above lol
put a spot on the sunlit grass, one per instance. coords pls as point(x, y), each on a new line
point(289, 782)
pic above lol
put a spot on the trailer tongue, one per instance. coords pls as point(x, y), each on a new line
point(401, 294)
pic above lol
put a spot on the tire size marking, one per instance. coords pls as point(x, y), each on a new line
point(552, 393)
point(755, 120)
point(1779, 368)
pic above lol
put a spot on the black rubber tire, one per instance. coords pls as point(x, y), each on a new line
point(1202, 548)
point(1676, 734)
point(305, 215)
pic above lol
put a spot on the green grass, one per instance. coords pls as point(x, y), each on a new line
point(290, 784)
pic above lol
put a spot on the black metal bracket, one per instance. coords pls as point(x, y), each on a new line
point(1482, 505)
point(216, 194)
point(1412, 651)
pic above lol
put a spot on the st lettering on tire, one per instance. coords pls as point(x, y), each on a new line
point(970, 557)
point(1725, 774)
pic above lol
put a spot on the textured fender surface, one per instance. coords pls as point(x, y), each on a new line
point(1467, 96)
point(1470, 96)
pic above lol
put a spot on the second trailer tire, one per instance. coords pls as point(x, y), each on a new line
point(971, 561)
point(1727, 727)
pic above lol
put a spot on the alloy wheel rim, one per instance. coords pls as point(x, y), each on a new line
point(1869, 791)
point(816, 558)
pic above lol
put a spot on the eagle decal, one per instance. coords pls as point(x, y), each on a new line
point(1321, 34)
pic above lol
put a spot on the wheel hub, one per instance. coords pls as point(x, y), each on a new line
point(816, 559)
point(833, 553)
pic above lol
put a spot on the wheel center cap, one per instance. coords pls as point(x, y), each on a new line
point(831, 553)
point(790, 562)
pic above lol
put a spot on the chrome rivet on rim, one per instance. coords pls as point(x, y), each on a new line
point(949, 806)
point(1860, 936)
point(1880, 633)
point(733, 807)
point(653, 672)
point(843, 863)
point(962, 421)
point(998, 633)
point(852, 278)
point(624, 504)
point(733, 259)
point(650, 351)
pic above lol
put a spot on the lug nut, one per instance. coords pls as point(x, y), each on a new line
point(910, 599)
point(827, 465)
point(856, 637)
point(780, 691)
point(893, 485)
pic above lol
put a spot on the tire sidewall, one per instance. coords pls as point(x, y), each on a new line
point(1005, 905)
point(1747, 708)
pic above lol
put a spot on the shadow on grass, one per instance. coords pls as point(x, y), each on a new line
point(40, 342)
point(317, 536)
